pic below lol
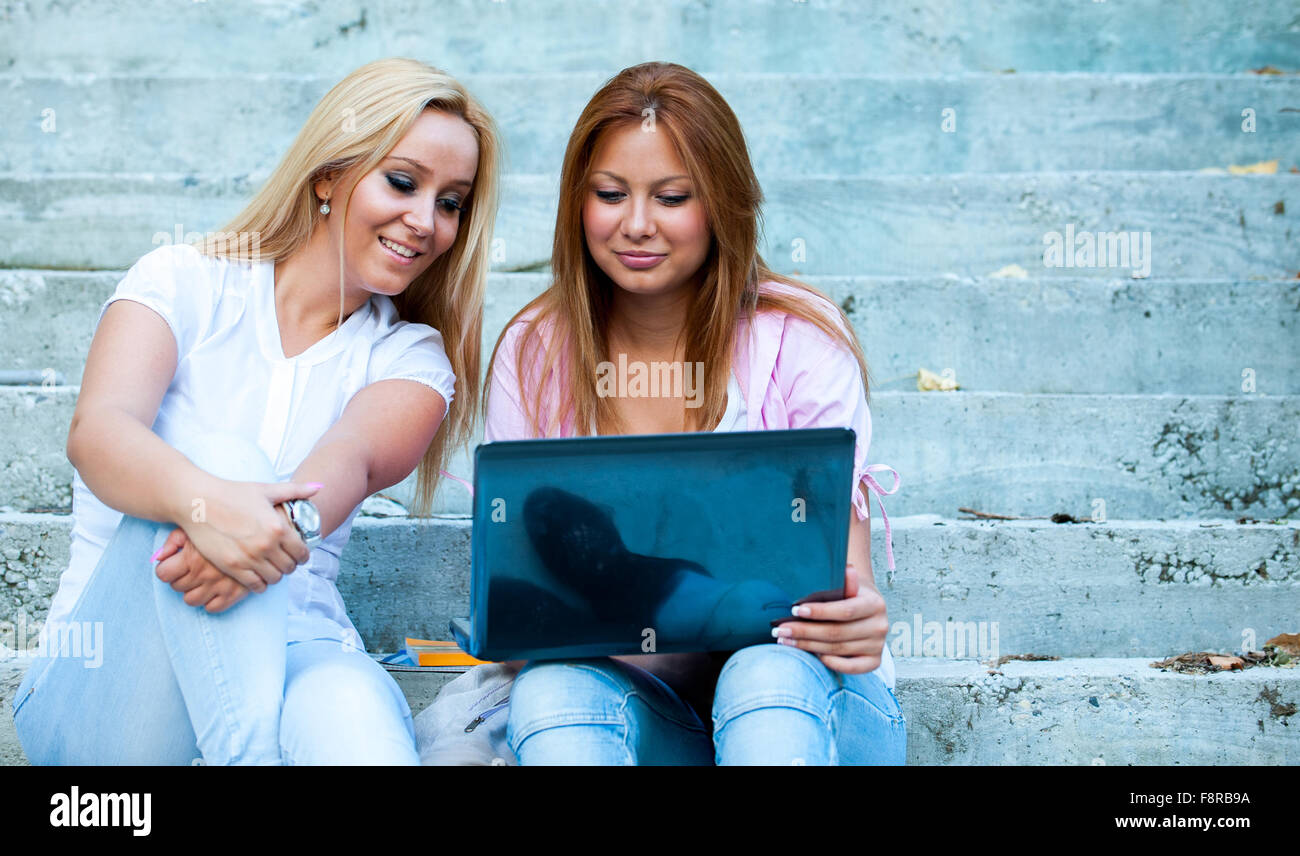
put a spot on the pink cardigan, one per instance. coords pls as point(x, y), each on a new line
point(798, 376)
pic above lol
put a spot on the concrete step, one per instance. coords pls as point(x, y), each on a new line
point(332, 37)
point(1143, 456)
point(1004, 334)
point(1189, 225)
point(795, 123)
point(1124, 588)
point(1096, 712)
point(1069, 712)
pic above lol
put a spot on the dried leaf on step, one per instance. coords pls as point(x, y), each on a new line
point(1227, 663)
point(1010, 272)
point(1288, 642)
point(1260, 168)
point(1193, 663)
point(1032, 658)
point(1271, 656)
point(1268, 69)
point(928, 381)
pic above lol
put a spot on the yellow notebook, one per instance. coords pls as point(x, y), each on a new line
point(428, 652)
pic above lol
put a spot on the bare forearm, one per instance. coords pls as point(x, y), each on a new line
point(131, 469)
point(380, 438)
point(341, 468)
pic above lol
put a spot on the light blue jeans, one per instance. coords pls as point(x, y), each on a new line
point(773, 705)
point(174, 684)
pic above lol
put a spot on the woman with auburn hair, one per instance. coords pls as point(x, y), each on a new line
point(656, 258)
point(310, 349)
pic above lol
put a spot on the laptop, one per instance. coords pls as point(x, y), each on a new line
point(664, 543)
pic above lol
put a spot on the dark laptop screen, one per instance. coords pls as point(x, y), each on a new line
point(659, 543)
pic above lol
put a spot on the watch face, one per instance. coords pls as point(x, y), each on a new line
point(307, 518)
point(310, 517)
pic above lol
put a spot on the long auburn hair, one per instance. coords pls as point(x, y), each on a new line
point(576, 306)
point(354, 127)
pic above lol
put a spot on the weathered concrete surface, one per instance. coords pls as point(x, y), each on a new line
point(1068, 712)
point(795, 124)
point(1102, 711)
point(1078, 336)
point(1201, 226)
point(34, 470)
point(157, 36)
point(407, 578)
point(1010, 335)
point(34, 551)
point(421, 688)
point(1145, 456)
point(1117, 589)
point(11, 675)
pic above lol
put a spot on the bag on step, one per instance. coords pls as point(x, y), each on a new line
point(465, 725)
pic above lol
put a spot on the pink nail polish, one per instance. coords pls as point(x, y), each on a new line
point(316, 485)
point(154, 557)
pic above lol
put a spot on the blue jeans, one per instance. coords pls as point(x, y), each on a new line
point(173, 684)
point(773, 705)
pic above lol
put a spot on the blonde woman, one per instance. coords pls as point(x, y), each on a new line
point(310, 351)
point(656, 259)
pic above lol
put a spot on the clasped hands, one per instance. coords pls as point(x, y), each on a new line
point(216, 562)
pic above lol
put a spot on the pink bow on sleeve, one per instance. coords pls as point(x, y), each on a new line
point(875, 487)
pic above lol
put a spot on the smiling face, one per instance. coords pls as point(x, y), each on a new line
point(405, 212)
point(644, 224)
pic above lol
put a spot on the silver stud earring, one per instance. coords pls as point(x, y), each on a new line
point(324, 208)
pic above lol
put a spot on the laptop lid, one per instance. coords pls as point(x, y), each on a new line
point(612, 545)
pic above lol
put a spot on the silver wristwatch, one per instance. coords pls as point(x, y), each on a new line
point(306, 519)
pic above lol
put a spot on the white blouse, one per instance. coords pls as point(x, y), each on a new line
point(232, 376)
point(735, 416)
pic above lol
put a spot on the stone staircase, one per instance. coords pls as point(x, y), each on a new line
point(914, 159)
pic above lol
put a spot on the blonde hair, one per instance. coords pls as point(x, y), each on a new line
point(354, 127)
point(709, 140)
